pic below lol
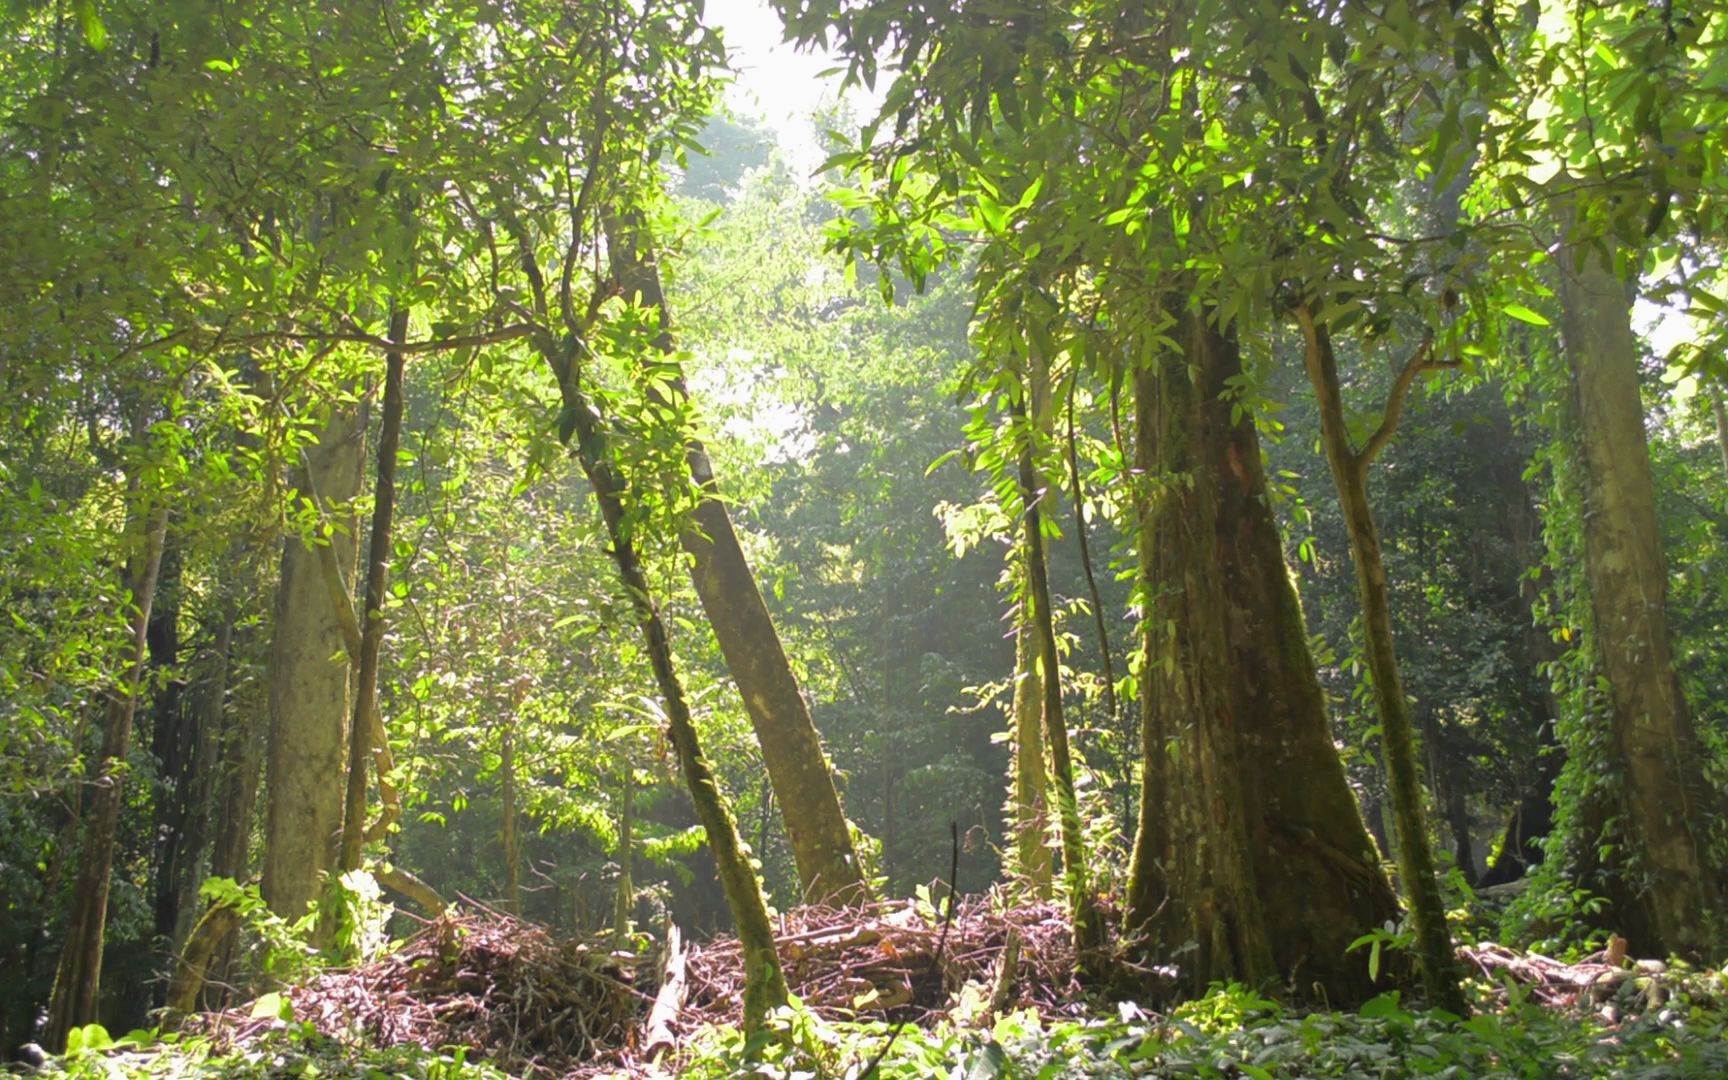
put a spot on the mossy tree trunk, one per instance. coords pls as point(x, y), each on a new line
point(77, 981)
point(1033, 858)
point(1435, 956)
point(1086, 927)
point(764, 983)
point(1250, 860)
point(310, 681)
point(821, 839)
point(1669, 806)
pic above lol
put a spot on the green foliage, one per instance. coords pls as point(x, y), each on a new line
point(1235, 1032)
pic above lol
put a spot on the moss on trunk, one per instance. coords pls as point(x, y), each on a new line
point(1250, 861)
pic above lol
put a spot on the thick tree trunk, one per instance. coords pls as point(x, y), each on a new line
point(378, 553)
point(1668, 802)
point(309, 681)
point(1250, 861)
point(78, 979)
point(1435, 955)
point(764, 983)
point(821, 839)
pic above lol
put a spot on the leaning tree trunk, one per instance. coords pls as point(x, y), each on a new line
point(378, 552)
point(764, 983)
point(1668, 802)
point(1435, 957)
point(309, 680)
point(78, 979)
point(1250, 861)
point(816, 827)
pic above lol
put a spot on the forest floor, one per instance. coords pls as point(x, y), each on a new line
point(987, 993)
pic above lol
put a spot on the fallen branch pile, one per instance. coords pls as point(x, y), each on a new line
point(511, 992)
point(878, 962)
point(537, 1005)
point(1608, 981)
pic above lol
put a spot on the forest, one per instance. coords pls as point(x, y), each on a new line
point(1182, 539)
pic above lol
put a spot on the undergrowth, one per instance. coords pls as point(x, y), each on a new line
point(1230, 1033)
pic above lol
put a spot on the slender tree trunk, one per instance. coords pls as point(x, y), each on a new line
point(78, 978)
point(1435, 957)
point(1668, 802)
point(309, 681)
point(626, 899)
point(1038, 611)
point(1250, 861)
point(1031, 824)
point(378, 552)
point(764, 983)
point(507, 826)
point(240, 759)
point(174, 744)
point(821, 839)
point(1721, 413)
point(1030, 810)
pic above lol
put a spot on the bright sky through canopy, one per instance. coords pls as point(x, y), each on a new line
point(776, 82)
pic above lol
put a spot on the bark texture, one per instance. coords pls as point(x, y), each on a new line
point(1250, 861)
point(1669, 805)
point(310, 681)
point(1030, 808)
point(1038, 615)
point(77, 981)
point(1435, 956)
point(821, 839)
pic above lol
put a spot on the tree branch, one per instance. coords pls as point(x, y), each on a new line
point(1394, 411)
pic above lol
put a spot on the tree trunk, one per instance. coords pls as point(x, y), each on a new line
point(1435, 956)
point(174, 744)
point(1086, 927)
point(507, 824)
point(626, 898)
point(1721, 413)
point(1031, 824)
point(378, 553)
point(764, 983)
point(240, 760)
point(821, 838)
point(78, 978)
point(1668, 802)
point(309, 680)
point(1033, 859)
point(1250, 861)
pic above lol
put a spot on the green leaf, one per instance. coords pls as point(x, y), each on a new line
point(1524, 314)
point(95, 33)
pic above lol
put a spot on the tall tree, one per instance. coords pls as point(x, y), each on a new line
point(1671, 808)
point(310, 676)
point(78, 979)
point(828, 867)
